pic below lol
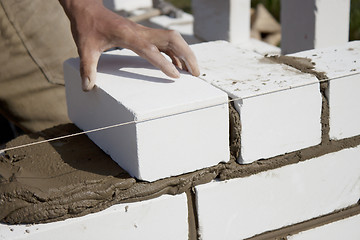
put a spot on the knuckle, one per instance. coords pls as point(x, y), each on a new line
point(150, 49)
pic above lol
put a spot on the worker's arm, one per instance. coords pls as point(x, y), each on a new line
point(96, 29)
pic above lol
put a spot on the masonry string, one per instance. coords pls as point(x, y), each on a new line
point(169, 115)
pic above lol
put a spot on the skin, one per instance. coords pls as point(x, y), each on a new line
point(96, 29)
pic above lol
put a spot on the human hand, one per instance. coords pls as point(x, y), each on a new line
point(96, 29)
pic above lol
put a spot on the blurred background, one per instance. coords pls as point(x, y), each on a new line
point(273, 6)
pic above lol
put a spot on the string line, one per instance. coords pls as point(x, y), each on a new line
point(158, 117)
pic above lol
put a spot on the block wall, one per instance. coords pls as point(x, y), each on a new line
point(308, 191)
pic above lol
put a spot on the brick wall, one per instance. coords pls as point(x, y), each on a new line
point(295, 173)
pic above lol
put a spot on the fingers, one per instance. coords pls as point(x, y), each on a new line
point(152, 54)
point(182, 50)
point(172, 43)
point(88, 66)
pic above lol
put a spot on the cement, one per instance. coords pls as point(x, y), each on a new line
point(73, 177)
point(304, 65)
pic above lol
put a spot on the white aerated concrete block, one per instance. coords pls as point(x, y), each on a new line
point(222, 20)
point(182, 24)
point(117, 5)
point(149, 219)
point(181, 124)
point(343, 229)
point(342, 66)
point(243, 207)
point(313, 24)
point(277, 116)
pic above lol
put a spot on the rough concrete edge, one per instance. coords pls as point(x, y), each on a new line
point(284, 232)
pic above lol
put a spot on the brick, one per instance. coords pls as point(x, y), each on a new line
point(117, 5)
point(342, 66)
point(183, 25)
point(165, 217)
point(190, 126)
point(271, 123)
point(222, 20)
point(243, 207)
point(305, 24)
point(343, 229)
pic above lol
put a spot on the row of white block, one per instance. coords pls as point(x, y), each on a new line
point(244, 207)
point(305, 25)
point(181, 125)
point(233, 209)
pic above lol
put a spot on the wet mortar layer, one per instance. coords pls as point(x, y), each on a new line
point(192, 215)
point(234, 132)
point(73, 177)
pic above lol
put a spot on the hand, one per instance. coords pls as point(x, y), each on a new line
point(96, 29)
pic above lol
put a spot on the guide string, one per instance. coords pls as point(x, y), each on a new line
point(168, 115)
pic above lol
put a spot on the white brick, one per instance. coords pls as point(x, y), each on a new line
point(344, 229)
point(190, 130)
point(183, 25)
point(117, 5)
point(222, 20)
point(241, 208)
point(342, 66)
point(271, 124)
point(305, 24)
point(165, 217)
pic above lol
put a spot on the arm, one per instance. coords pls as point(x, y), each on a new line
point(96, 29)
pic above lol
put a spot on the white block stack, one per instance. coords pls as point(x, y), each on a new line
point(243, 207)
point(181, 124)
point(222, 20)
point(312, 24)
point(342, 67)
point(276, 115)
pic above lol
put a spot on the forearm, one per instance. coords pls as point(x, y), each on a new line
point(73, 7)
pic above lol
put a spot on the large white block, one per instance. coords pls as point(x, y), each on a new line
point(117, 5)
point(312, 24)
point(188, 126)
point(347, 228)
point(182, 24)
point(276, 115)
point(222, 20)
point(342, 66)
point(243, 207)
point(142, 220)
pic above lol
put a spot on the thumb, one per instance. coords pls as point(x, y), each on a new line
point(88, 67)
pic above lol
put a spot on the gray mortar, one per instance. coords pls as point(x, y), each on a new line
point(234, 132)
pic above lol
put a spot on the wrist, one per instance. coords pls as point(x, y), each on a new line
point(72, 8)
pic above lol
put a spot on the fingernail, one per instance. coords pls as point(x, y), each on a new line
point(176, 73)
point(188, 67)
point(85, 84)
